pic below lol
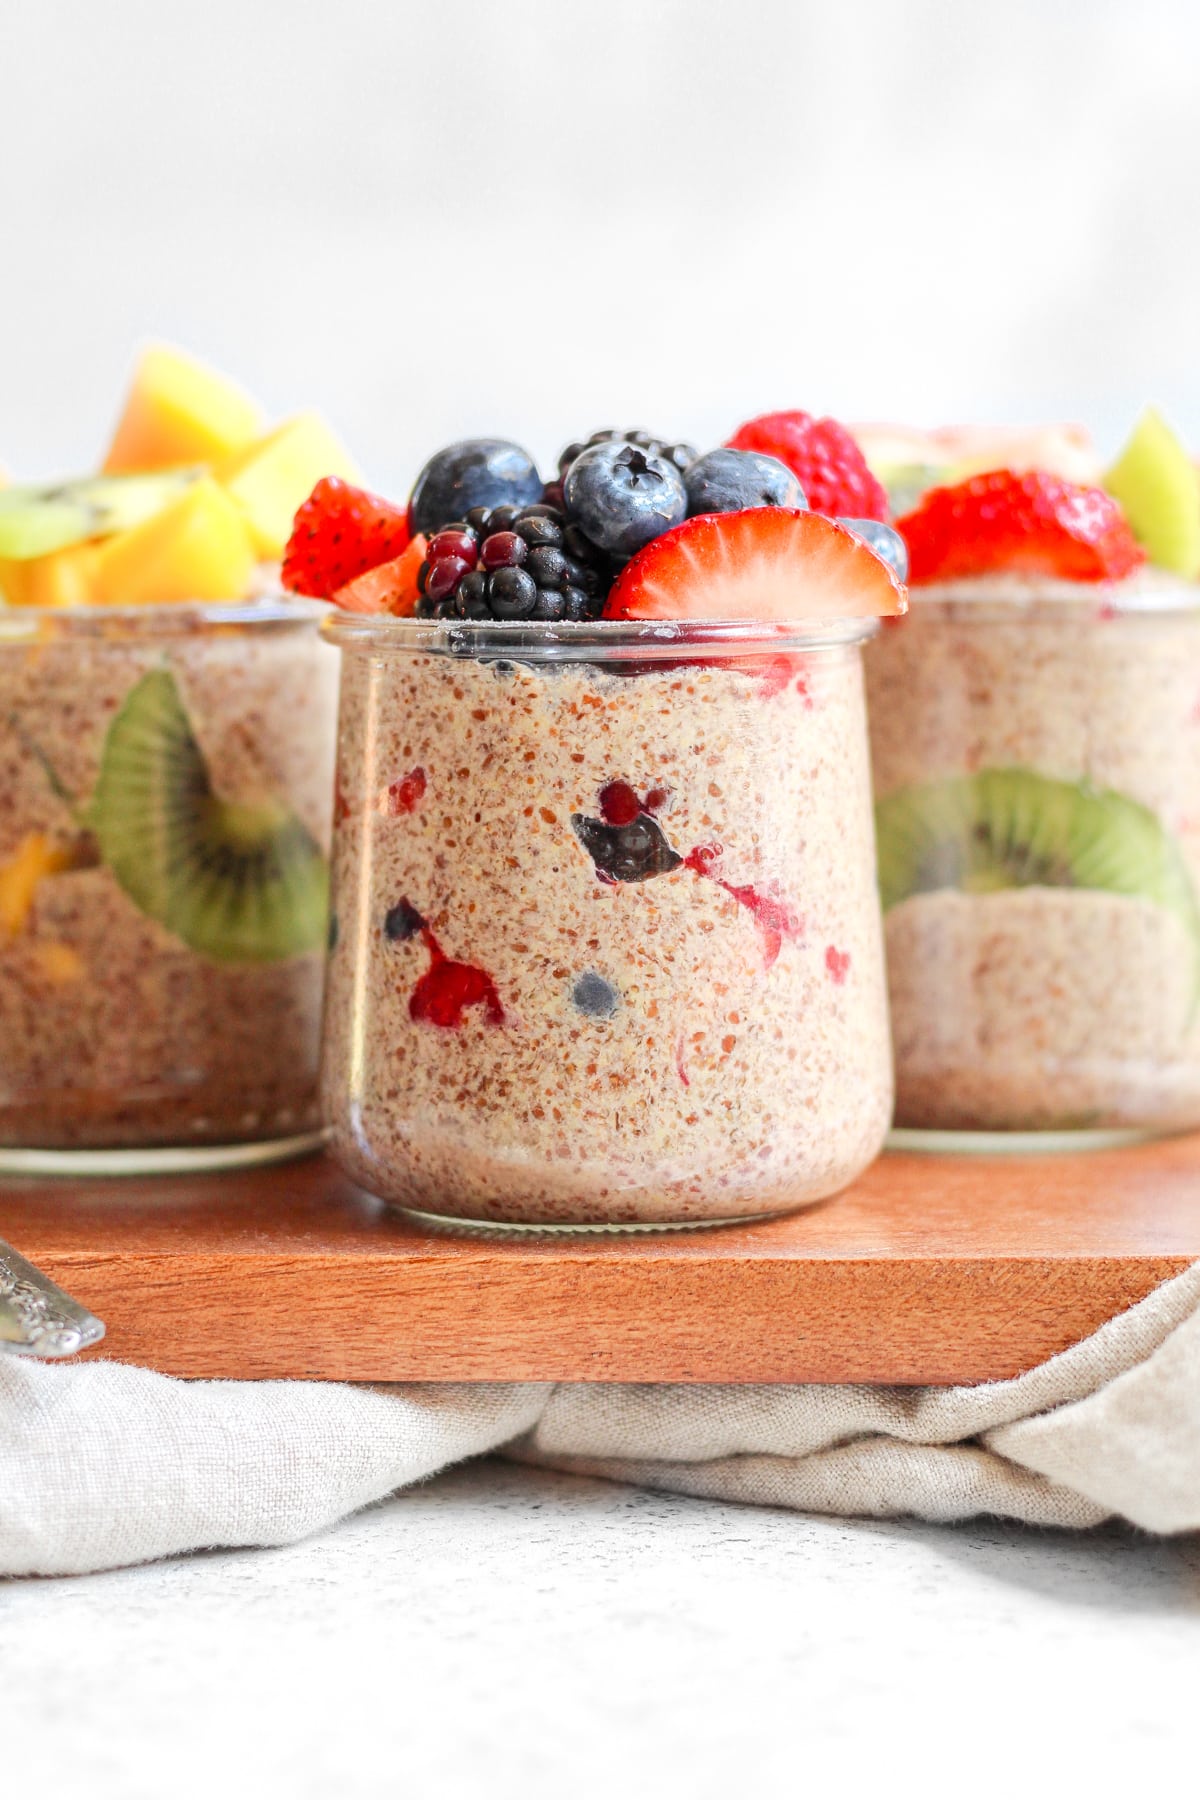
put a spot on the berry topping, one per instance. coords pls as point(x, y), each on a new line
point(884, 540)
point(512, 562)
point(768, 564)
point(338, 534)
point(622, 496)
point(594, 996)
point(678, 454)
point(731, 480)
point(823, 456)
point(1033, 524)
point(475, 473)
point(391, 588)
point(635, 851)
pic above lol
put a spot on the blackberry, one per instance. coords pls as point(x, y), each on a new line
point(514, 563)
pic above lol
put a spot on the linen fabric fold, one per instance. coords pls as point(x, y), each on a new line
point(102, 1464)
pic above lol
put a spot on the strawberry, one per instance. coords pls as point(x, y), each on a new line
point(831, 468)
point(1033, 523)
point(769, 564)
point(391, 588)
point(339, 532)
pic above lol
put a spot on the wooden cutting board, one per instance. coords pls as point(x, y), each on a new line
point(929, 1269)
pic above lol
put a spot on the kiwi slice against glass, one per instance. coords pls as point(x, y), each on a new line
point(238, 882)
point(36, 520)
point(1010, 828)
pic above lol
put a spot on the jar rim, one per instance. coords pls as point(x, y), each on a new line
point(593, 640)
point(157, 619)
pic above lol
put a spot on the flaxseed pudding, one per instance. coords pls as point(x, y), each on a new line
point(1035, 732)
point(606, 944)
point(166, 760)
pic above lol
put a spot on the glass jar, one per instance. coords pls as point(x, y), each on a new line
point(166, 775)
point(1036, 751)
point(607, 943)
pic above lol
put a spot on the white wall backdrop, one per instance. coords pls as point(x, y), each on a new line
point(433, 217)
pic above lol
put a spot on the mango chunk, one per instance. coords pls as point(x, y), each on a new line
point(20, 877)
point(180, 411)
point(1157, 483)
point(273, 477)
point(197, 548)
point(63, 578)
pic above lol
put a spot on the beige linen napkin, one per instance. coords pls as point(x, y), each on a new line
point(102, 1464)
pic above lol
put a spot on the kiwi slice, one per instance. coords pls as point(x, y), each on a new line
point(237, 882)
point(1008, 828)
point(1158, 484)
point(36, 520)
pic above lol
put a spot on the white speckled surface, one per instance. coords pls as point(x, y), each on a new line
point(505, 1631)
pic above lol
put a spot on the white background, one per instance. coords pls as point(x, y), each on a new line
point(538, 217)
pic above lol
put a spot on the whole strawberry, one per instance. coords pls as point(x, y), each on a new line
point(338, 534)
point(1035, 523)
point(830, 467)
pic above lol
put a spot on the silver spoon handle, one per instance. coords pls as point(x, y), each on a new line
point(36, 1317)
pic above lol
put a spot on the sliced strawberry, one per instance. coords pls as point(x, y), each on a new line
point(1035, 524)
point(831, 468)
point(769, 564)
point(338, 533)
point(391, 588)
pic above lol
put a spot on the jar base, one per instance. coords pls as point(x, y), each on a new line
point(159, 1159)
point(445, 1223)
point(934, 1141)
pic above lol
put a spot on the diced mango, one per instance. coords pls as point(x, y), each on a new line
point(197, 548)
point(63, 578)
point(273, 477)
point(35, 858)
point(180, 411)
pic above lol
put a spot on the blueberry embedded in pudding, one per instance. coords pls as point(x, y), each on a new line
point(595, 997)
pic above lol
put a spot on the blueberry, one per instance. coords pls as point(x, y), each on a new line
point(594, 996)
point(734, 480)
point(477, 472)
point(887, 543)
point(623, 497)
point(402, 922)
point(512, 594)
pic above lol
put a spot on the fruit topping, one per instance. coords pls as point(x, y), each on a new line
point(884, 540)
point(594, 996)
point(180, 411)
point(681, 455)
point(909, 462)
point(1012, 827)
point(196, 548)
point(825, 459)
point(622, 496)
point(447, 989)
point(237, 881)
point(35, 521)
point(513, 563)
point(1031, 524)
point(767, 564)
point(475, 472)
point(635, 851)
point(391, 588)
point(1158, 485)
point(730, 480)
point(270, 479)
point(339, 533)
